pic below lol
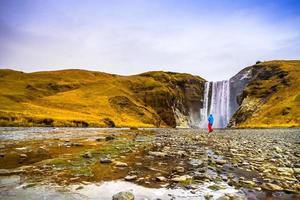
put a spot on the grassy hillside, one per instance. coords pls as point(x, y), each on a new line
point(272, 98)
point(86, 98)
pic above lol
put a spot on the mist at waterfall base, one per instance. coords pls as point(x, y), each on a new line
point(216, 102)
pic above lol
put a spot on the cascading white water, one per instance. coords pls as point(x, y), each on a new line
point(216, 101)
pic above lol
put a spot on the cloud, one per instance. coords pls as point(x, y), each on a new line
point(133, 38)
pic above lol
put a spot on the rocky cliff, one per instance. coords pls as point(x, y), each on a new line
point(86, 98)
point(267, 94)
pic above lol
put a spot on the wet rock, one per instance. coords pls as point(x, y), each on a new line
point(79, 187)
point(161, 178)
point(123, 196)
point(181, 178)
point(216, 187)
point(105, 160)
point(107, 138)
point(271, 186)
point(120, 164)
point(130, 177)
point(248, 183)
point(87, 155)
point(76, 144)
point(98, 139)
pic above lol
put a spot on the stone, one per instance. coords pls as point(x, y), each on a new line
point(296, 170)
point(216, 187)
point(161, 178)
point(120, 164)
point(196, 162)
point(248, 183)
point(98, 139)
point(181, 178)
point(105, 160)
point(179, 169)
point(278, 149)
point(42, 151)
point(271, 186)
point(285, 169)
point(76, 144)
point(23, 156)
point(87, 155)
point(107, 138)
point(220, 162)
point(123, 196)
point(79, 187)
point(130, 177)
point(208, 196)
point(23, 149)
point(2, 155)
point(157, 153)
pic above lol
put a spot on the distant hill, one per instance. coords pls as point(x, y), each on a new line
point(270, 95)
point(86, 98)
point(265, 95)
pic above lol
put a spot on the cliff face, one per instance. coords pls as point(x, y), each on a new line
point(267, 95)
point(85, 98)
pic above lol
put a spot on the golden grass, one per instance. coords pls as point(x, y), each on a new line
point(68, 95)
point(282, 108)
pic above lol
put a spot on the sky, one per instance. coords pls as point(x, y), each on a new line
point(212, 39)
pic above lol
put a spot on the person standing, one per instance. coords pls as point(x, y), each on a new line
point(210, 123)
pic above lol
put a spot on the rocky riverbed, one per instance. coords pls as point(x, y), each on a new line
point(151, 163)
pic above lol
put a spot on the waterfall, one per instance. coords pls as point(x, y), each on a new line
point(216, 101)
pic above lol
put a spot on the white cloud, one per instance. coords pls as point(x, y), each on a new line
point(214, 47)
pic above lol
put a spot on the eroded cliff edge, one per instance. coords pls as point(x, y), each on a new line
point(266, 94)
